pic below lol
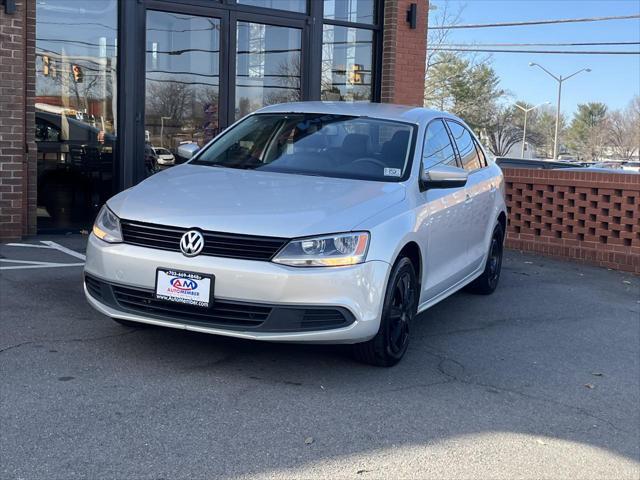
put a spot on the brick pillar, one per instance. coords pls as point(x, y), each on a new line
point(404, 53)
point(18, 168)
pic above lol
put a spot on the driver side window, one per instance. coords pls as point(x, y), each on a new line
point(437, 147)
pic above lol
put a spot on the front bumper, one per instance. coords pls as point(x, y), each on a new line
point(358, 291)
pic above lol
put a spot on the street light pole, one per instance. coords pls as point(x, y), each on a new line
point(558, 79)
point(524, 129)
point(162, 119)
point(555, 138)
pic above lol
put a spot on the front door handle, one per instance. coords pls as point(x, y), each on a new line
point(468, 198)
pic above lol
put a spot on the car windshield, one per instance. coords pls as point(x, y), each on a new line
point(163, 151)
point(315, 144)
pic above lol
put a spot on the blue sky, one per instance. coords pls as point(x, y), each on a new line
point(614, 79)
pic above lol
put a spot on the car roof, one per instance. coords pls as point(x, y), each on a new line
point(387, 111)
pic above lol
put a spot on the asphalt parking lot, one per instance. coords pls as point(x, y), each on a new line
point(540, 380)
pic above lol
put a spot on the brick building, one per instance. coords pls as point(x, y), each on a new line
point(94, 92)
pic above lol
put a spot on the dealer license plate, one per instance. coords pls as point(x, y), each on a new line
point(184, 287)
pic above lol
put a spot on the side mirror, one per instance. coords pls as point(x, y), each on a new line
point(443, 176)
point(188, 150)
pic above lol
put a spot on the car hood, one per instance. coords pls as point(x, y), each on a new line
point(254, 202)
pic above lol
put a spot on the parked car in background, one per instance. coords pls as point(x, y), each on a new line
point(150, 160)
point(306, 222)
point(75, 169)
point(509, 162)
point(631, 166)
point(609, 165)
point(164, 157)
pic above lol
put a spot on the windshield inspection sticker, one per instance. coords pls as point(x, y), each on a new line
point(392, 172)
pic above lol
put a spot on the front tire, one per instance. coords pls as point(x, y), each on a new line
point(487, 283)
point(399, 309)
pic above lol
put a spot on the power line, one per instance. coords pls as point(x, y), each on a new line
point(565, 52)
point(575, 44)
point(534, 22)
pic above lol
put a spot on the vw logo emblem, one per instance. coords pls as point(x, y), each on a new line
point(191, 243)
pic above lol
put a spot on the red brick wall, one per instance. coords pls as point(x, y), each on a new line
point(17, 122)
point(590, 217)
point(404, 53)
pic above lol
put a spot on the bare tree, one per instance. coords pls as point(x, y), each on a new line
point(436, 72)
point(167, 99)
point(288, 75)
point(501, 132)
point(624, 130)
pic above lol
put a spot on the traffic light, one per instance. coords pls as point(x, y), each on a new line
point(356, 75)
point(78, 76)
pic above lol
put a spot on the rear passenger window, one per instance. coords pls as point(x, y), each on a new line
point(481, 155)
point(466, 146)
point(437, 146)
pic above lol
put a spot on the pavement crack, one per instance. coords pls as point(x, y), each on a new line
point(444, 360)
point(578, 410)
point(66, 340)
point(17, 345)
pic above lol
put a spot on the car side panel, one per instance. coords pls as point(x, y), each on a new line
point(482, 191)
point(443, 230)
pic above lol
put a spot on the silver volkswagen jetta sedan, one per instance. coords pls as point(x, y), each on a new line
point(306, 222)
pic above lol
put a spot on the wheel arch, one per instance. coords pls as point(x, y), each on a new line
point(502, 220)
point(411, 250)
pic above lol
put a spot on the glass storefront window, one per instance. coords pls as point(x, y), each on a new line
point(357, 11)
point(182, 85)
point(346, 63)
point(289, 5)
point(267, 66)
point(75, 110)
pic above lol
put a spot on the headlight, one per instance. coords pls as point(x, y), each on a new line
point(107, 226)
point(326, 251)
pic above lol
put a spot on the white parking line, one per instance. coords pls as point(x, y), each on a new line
point(47, 244)
point(66, 250)
point(50, 265)
point(30, 245)
point(29, 262)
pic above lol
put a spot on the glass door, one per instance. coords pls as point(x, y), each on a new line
point(268, 66)
point(183, 63)
point(75, 111)
point(206, 67)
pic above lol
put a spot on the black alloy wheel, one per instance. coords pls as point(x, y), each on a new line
point(400, 305)
point(488, 282)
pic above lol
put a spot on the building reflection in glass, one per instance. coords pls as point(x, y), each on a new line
point(182, 85)
point(76, 65)
point(267, 66)
point(347, 55)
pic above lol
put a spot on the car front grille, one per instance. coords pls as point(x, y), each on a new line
point(216, 244)
point(222, 313)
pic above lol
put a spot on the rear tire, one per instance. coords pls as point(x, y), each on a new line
point(399, 309)
point(487, 283)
